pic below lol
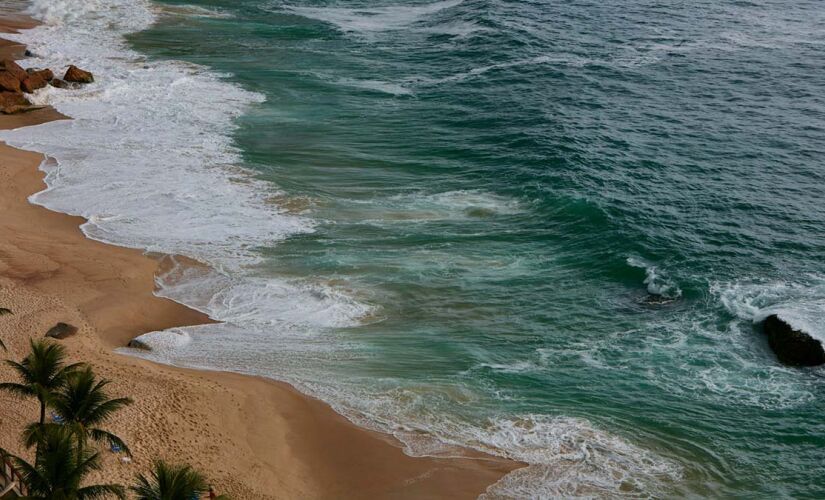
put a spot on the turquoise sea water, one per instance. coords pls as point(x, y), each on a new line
point(542, 229)
point(505, 181)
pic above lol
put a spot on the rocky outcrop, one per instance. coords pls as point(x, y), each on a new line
point(36, 80)
point(793, 347)
point(77, 75)
point(32, 83)
point(13, 68)
point(46, 74)
point(9, 82)
point(13, 102)
point(61, 331)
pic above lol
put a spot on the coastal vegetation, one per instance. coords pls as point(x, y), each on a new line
point(66, 449)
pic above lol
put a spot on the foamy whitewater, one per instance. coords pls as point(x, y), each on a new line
point(473, 224)
point(148, 159)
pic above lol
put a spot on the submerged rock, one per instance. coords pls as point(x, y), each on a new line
point(63, 84)
point(61, 331)
point(9, 82)
point(793, 347)
point(75, 74)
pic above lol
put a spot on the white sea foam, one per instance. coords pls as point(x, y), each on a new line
point(461, 204)
point(376, 85)
point(801, 303)
point(195, 11)
point(373, 19)
point(148, 160)
point(657, 282)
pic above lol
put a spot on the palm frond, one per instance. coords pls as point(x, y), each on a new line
point(101, 436)
point(17, 389)
point(169, 481)
point(105, 410)
point(101, 491)
point(4, 311)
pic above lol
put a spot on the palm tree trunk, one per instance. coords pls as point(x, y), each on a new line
point(42, 412)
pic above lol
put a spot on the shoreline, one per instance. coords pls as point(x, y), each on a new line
point(252, 437)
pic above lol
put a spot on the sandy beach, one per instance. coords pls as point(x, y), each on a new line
point(253, 438)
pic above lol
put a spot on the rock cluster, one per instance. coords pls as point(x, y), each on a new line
point(15, 82)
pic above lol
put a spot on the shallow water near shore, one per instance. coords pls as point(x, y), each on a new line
point(448, 218)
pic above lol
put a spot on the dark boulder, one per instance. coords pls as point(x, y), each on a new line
point(13, 68)
point(793, 347)
point(61, 331)
point(136, 343)
point(63, 84)
point(9, 82)
point(75, 74)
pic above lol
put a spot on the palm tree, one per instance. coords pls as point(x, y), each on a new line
point(84, 406)
point(43, 371)
point(169, 482)
point(59, 469)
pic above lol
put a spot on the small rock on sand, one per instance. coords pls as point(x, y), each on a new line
point(61, 331)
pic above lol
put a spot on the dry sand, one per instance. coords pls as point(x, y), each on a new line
point(253, 438)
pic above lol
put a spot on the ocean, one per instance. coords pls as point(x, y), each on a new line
point(544, 230)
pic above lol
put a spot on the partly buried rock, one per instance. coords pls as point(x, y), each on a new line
point(793, 347)
point(37, 80)
point(13, 102)
point(63, 84)
point(136, 343)
point(9, 82)
point(13, 68)
point(61, 331)
point(75, 74)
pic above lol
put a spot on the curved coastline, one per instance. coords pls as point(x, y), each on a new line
point(255, 437)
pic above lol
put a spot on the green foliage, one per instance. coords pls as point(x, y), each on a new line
point(85, 406)
point(42, 372)
point(169, 482)
point(60, 468)
point(62, 460)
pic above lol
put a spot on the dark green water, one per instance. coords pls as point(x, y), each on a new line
point(503, 183)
